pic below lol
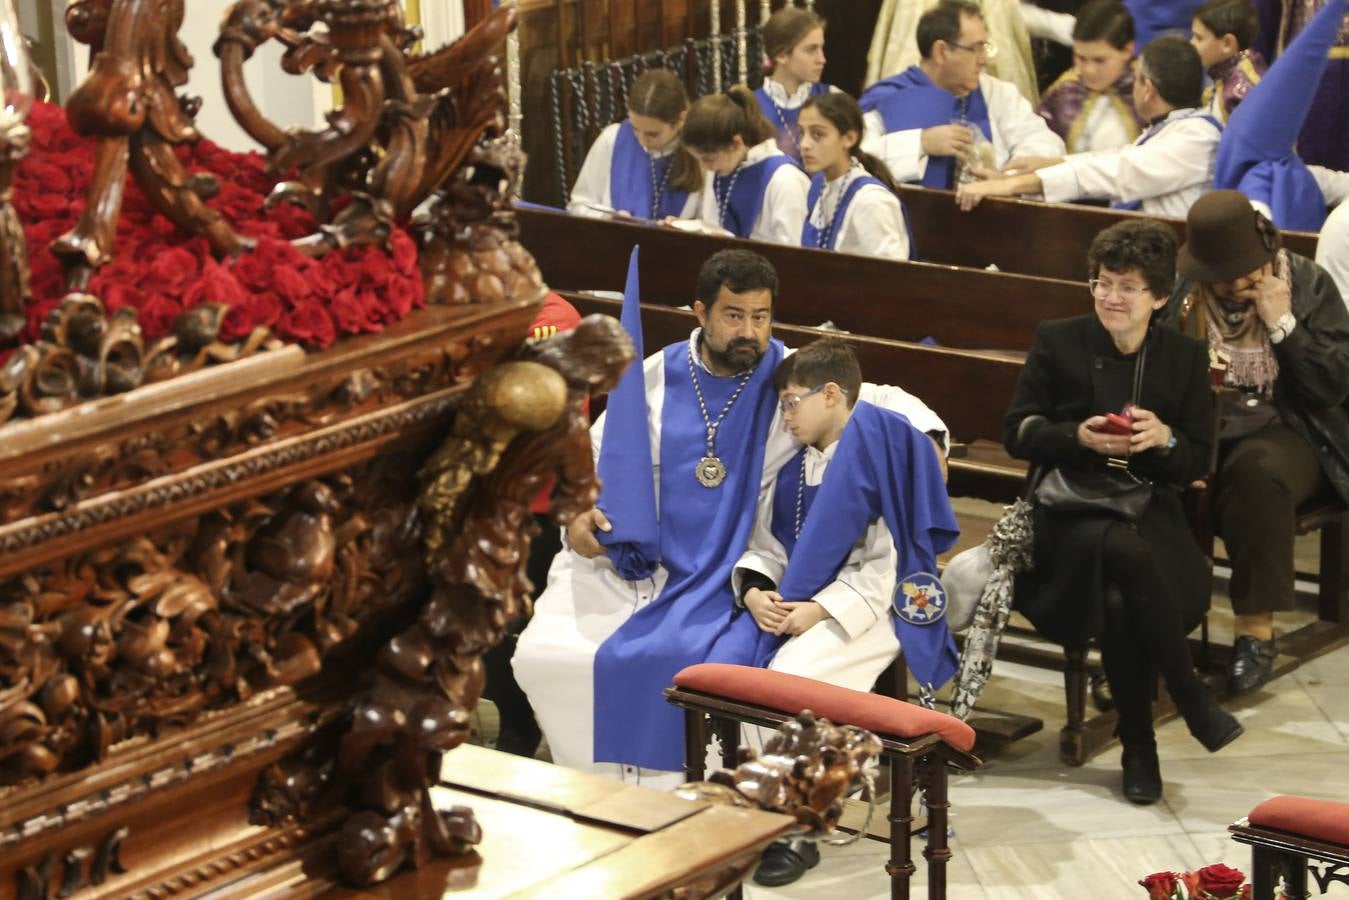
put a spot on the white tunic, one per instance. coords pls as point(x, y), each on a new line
point(873, 223)
point(1017, 131)
point(1332, 250)
point(783, 212)
point(586, 600)
point(1105, 125)
point(1167, 171)
point(591, 196)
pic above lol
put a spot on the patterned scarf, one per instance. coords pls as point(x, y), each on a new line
point(1236, 335)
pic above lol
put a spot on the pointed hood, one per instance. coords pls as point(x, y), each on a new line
point(627, 492)
point(1256, 155)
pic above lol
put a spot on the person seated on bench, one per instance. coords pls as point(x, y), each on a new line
point(1137, 587)
point(639, 167)
point(1168, 168)
point(793, 40)
point(853, 201)
point(620, 617)
point(1091, 106)
point(752, 189)
point(1277, 327)
point(1222, 32)
point(1332, 249)
point(941, 114)
point(838, 628)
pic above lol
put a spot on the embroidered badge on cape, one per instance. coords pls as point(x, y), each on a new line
point(921, 600)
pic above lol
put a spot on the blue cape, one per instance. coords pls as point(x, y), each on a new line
point(810, 235)
point(630, 184)
point(747, 193)
point(703, 531)
point(910, 100)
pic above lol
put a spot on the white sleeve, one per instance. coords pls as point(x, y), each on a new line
point(592, 185)
point(1020, 130)
point(765, 553)
point(919, 414)
point(901, 151)
point(784, 208)
point(874, 225)
point(1332, 250)
point(1164, 165)
point(1049, 25)
point(1334, 185)
point(865, 586)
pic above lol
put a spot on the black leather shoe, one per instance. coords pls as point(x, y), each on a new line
point(1213, 726)
point(1142, 776)
point(1252, 664)
point(1101, 697)
point(786, 861)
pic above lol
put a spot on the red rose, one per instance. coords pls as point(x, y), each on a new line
point(274, 252)
point(353, 314)
point(401, 296)
point(264, 308)
point(170, 270)
point(1223, 882)
point(374, 269)
point(404, 252)
point(115, 296)
point(217, 285)
point(290, 284)
point(252, 271)
point(1161, 885)
point(157, 314)
point(309, 323)
point(44, 205)
point(236, 325)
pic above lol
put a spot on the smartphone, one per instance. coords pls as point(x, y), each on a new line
point(1117, 424)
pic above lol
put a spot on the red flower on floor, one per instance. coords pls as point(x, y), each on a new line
point(1215, 882)
point(160, 271)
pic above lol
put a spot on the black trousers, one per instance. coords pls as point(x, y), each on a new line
point(1262, 479)
point(1144, 634)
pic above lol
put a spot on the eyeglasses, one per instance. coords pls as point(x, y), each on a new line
point(986, 49)
point(1101, 289)
point(789, 404)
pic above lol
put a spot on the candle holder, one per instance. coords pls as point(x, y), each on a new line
point(16, 98)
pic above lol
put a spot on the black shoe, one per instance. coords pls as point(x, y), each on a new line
point(1142, 776)
point(1101, 697)
point(1212, 726)
point(786, 861)
point(1252, 664)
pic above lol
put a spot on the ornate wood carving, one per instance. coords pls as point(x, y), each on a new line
point(78, 868)
point(521, 424)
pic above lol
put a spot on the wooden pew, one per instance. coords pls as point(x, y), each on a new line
point(899, 300)
point(971, 391)
point(1047, 240)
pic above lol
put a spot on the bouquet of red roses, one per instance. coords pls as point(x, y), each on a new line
point(1216, 882)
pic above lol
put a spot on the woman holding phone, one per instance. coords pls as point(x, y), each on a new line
point(1108, 396)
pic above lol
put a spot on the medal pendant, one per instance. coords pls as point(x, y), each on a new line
point(710, 472)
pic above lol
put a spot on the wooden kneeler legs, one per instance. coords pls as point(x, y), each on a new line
point(915, 761)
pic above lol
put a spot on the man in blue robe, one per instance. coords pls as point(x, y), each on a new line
point(946, 112)
point(644, 587)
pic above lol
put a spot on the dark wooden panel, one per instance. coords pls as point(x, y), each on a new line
point(1026, 236)
point(969, 390)
point(901, 301)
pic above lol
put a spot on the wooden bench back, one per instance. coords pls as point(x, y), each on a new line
point(896, 300)
point(1024, 236)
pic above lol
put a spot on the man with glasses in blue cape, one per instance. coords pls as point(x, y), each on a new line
point(643, 588)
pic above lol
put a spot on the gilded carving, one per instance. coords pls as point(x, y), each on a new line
point(78, 868)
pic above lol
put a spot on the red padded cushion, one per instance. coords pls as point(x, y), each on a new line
point(1321, 820)
point(792, 694)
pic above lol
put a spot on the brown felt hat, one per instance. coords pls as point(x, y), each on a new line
point(1226, 239)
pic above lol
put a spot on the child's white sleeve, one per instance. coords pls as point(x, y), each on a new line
point(765, 553)
point(862, 594)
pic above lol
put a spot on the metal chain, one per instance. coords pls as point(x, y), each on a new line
point(723, 203)
point(702, 404)
point(800, 496)
point(559, 143)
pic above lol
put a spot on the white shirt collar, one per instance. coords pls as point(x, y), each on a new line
point(778, 94)
point(760, 152)
point(816, 462)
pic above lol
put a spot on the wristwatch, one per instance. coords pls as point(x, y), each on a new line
point(1282, 327)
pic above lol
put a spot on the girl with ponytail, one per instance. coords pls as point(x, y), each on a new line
point(639, 167)
point(853, 202)
point(794, 45)
point(752, 189)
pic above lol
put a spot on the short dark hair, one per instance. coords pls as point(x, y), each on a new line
point(942, 23)
point(1105, 20)
point(1235, 17)
point(1145, 246)
point(1172, 64)
point(738, 270)
point(820, 362)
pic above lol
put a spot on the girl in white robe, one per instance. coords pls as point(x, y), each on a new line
point(639, 167)
point(853, 203)
point(751, 189)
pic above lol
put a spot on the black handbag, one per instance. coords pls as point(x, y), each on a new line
point(1111, 491)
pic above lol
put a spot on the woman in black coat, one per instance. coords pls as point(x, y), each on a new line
point(1138, 587)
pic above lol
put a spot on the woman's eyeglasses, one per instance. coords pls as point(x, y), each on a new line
point(1101, 289)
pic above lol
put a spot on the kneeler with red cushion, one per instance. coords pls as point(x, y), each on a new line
point(1285, 834)
point(919, 744)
